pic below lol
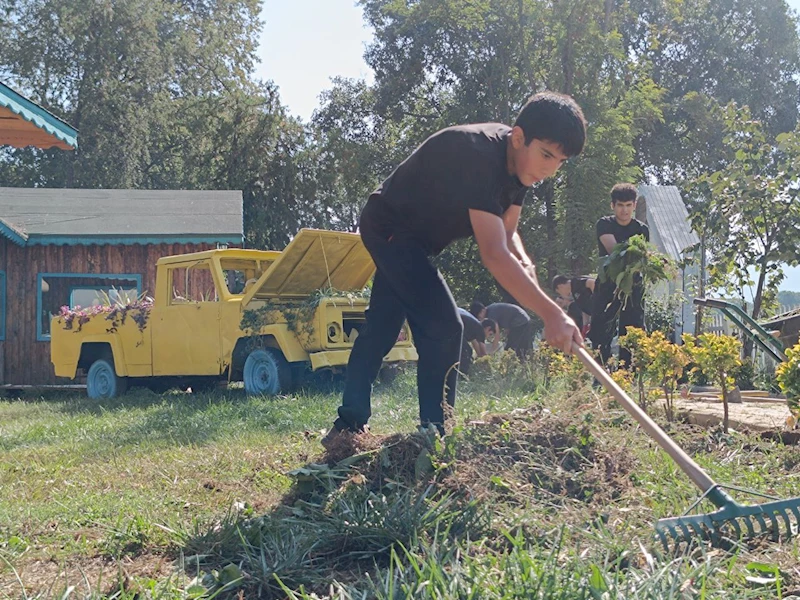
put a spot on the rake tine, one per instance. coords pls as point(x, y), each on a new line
point(796, 512)
point(780, 517)
point(663, 538)
point(750, 529)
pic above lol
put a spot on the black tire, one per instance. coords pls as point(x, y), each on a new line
point(102, 380)
point(266, 372)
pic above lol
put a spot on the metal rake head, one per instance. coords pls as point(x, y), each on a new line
point(733, 522)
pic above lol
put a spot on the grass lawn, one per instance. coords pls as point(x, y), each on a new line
point(185, 495)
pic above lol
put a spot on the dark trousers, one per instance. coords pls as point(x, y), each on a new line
point(609, 318)
point(406, 286)
point(520, 340)
point(465, 364)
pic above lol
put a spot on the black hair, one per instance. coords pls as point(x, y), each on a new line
point(556, 118)
point(490, 323)
point(623, 192)
point(475, 308)
point(560, 280)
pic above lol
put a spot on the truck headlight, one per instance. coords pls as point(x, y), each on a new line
point(334, 332)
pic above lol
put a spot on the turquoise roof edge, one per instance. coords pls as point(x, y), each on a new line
point(33, 113)
point(12, 233)
point(128, 240)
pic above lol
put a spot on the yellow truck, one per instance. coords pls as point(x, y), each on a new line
point(261, 317)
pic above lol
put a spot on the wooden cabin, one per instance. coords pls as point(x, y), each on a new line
point(77, 247)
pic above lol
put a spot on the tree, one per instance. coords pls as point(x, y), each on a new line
point(443, 62)
point(705, 53)
point(751, 210)
point(123, 73)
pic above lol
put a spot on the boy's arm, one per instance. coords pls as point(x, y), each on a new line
point(480, 347)
point(492, 237)
point(514, 241)
point(609, 241)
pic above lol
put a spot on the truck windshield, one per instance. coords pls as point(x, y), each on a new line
point(241, 273)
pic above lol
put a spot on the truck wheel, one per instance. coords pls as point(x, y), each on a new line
point(266, 372)
point(102, 381)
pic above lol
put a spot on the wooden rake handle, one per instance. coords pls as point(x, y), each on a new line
point(684, 461)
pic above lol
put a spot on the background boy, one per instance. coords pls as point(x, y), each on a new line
point(577, 294)
point(513, 320)
point(606, 307)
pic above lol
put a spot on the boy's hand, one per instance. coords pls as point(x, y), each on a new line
point(560, 332)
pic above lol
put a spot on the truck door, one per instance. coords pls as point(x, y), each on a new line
point(186, 328)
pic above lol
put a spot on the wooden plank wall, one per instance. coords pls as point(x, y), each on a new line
point(27, 361)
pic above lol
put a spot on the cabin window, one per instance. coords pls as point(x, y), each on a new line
point(54, 290)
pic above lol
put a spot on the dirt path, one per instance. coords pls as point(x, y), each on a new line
point(756, 414)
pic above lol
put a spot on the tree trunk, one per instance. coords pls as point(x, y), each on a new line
point(758, 299)
point(698, 319)
point(546, 193)
point(724, 402)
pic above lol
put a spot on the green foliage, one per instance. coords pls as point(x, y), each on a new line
point(749, 210)
point(694, 49)
point(660, 314)
point(631, 262)
point(788, 375)
point(717, 357)
point(297, 314)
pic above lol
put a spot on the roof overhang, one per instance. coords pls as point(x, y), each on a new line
point(24, 123)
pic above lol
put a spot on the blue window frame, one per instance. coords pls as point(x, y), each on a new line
point(2, 305)
point(54, 290)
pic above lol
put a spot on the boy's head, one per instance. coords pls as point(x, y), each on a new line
point(623, 202)
point(478, 310)
point(489, 327)
point(549, 129)
point(562, 286)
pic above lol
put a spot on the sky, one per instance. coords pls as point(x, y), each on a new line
point(305, 43)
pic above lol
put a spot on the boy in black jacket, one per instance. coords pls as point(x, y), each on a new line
point(463, 181)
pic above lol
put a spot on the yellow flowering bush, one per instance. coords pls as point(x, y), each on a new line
point(657, 361)
point(788, 375)
point(717, 357)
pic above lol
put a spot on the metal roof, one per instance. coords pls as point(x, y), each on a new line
point(31, 216)
point(25, 123)
point(667, 214)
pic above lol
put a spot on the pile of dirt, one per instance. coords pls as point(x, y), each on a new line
point(529, 455)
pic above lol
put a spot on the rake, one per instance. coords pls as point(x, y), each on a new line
point(731, 521)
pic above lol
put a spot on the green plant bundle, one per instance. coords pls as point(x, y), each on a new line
point(632, 261)
point(299, 314)
point(788, 375)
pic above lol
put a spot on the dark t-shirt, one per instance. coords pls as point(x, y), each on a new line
point(507, 316)
point(429, 195)
point(576, 314)
point(472, 327)
point(621, 234)
point(582, 294)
